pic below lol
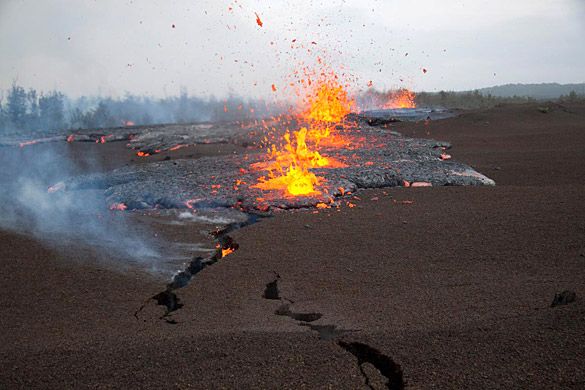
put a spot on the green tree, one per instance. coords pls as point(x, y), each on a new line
point(51, 108)
point(32, 107)
point(16, 106)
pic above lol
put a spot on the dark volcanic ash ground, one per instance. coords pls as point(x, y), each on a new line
point(376, 157)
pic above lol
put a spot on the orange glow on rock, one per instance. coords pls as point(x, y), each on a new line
point(421, 184)
point(226, 251)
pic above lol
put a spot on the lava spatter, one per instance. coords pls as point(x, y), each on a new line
point(289, 165)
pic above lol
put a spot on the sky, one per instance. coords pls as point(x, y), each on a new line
point(217, 48)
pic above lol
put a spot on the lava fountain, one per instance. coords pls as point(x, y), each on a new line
point(289, 164)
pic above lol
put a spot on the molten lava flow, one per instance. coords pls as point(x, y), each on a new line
point(403, 98)
point(289, 168)
point(296, 152)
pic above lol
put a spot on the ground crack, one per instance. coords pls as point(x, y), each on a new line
point(383, 363)
point(363, 352)
point(224, 245)
point(271, 292)
point(285, 310)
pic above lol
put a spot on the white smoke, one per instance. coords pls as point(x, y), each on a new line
point(61, 218)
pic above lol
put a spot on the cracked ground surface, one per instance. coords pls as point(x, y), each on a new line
point(453, 284)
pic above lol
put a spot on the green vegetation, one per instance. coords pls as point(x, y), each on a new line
point(465, 100)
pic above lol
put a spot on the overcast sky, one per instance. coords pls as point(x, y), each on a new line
point(215, 47)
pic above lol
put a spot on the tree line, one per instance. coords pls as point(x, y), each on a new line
point(28, 111)
point(476, 99)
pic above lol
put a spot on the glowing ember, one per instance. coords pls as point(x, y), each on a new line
point(258, 20)
point(226, 251)
point(118, 206)
point(421, 184)
point(177, 147)
point(402, 98)
point(103, 139)
point(27, 143)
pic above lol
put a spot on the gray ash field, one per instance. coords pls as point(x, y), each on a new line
point(375, 157)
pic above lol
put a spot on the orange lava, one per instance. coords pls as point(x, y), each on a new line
point(403, 98)
point(226, 251)
point(289, 165)
point(103, 139)
point(328, 103)
point(177, 147)
point(258, 20)
point(288, 169)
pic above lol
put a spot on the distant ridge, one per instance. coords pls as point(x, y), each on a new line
point(534, 91)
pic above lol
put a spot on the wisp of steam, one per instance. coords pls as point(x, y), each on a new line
point(60, 218)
